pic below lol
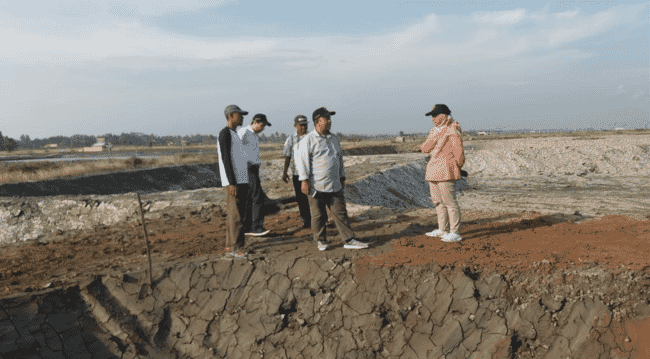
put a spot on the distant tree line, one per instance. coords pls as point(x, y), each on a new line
point(7, 143)
point(123, 139)
point(138, 139)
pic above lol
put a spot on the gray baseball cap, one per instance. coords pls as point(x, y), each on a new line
point(234, 108)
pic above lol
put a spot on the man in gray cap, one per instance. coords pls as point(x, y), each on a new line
point(322, 175)
point(254, 219)
point(289, 152)
point(233, 170)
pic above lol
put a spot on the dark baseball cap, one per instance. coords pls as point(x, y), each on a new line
point(232, 109)
point(260, 117)
point(300, 119)
point(438, 109)
point(322, 112)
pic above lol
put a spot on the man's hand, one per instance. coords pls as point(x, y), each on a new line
point(304, 187)
point(232, 191)
point(285, 177)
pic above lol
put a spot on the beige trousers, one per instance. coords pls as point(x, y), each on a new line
point(443, 196)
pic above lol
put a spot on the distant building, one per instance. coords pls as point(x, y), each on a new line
point(481, 133)
point(51, 145)
point(99, 146)
point(619, 129)
point(400, 139)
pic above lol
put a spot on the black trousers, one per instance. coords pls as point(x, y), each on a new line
point(254, 218)
point(303, 202)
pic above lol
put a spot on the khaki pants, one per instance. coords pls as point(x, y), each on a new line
point(336, 204)
point(236, 209)
point(443, 196)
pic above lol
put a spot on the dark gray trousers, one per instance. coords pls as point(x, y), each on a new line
point(335, 201)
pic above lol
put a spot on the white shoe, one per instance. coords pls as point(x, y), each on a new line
point(436, 233)
point(322, 246)
point(355, 244)
point(258, 234)
point(451, 237)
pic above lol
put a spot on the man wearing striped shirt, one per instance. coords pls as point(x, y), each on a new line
point(320, 169)
point(233, 170)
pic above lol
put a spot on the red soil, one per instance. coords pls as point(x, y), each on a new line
point(488, 242)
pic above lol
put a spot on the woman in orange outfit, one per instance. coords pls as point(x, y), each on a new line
point(445, 146)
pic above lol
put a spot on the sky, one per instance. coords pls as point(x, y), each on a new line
point(169, 67)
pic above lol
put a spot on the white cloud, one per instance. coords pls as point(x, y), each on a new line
point(416, 32)
point(582, 28)
point(434, 41)
point(566, 14)
point(44, 42)
point(158, 7)
point(77, 8)
point(500, 17)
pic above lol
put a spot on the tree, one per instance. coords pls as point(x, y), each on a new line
point(2, 142)
point(401, 133)
point(10, 144)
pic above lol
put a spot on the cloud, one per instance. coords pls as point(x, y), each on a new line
point(566, 14)
point(435, 40)
point(123, 8)
point(500, 17)
point(44, 42)
point(579, 29)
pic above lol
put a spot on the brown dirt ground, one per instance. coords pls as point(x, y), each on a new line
point(523, 241)
point(528, 242)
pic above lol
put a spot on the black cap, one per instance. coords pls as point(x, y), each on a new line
point(300, 119)
point(260, 117)
point(322, 112)
point(438, 109)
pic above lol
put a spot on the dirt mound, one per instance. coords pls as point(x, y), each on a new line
point(560, 156)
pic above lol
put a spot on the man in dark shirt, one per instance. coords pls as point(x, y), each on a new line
point(233, 170)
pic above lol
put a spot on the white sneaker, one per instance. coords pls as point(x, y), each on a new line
point(322, 246)
point(258, 234)
point(436, 233)
point(355, 244)
point(451, 237)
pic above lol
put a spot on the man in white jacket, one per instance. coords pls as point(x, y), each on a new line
point(254, 217)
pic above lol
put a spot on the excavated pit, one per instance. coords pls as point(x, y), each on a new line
point(326, 308)
point(409, 296)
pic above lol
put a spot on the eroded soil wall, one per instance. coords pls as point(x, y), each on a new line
point(326, 308)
